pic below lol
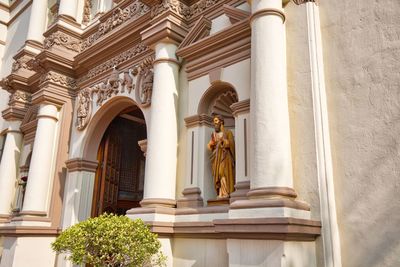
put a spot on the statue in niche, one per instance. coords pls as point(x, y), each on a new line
point(222, 147)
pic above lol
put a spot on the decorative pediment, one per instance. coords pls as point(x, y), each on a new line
point(199, 31)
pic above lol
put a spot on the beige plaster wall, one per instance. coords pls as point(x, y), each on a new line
point(361, 41)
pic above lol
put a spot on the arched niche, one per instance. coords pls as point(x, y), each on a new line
point(217, 100)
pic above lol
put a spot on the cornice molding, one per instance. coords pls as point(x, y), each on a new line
point(198, 120)
point(240, 107)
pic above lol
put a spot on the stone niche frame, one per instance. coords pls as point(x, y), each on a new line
point(217, 99)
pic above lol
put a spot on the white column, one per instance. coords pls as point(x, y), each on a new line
point(270, 152)
point(68, 8)
point(39, 175)
point(37, 20)
point(161, 159)
point(8, 167)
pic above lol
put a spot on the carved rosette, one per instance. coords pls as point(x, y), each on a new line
point(59, 79)
point(144, 81)
point(84, 108)
point(63, 40)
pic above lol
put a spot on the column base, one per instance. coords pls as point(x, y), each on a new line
point(158, 202)
point(272, 192)
point(241, 190)
point(191, 198)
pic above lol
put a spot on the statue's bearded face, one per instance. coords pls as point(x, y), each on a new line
point(217, 124)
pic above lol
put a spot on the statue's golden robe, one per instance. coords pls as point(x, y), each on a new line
point(223, 162)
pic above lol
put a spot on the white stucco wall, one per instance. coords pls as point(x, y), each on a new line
point(361, 41)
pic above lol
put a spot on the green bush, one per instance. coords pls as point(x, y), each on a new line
point(110, 240)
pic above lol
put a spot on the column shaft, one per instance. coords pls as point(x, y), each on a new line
point(8, 168)
point(160, 180)
point(271, 164)
point(37, 20)
point(39, 175)
point(68, 7)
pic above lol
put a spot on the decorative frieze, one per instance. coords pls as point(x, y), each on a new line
point(63, 40)
point(119, 17)
point(59, 79)
point(115, 61)
point(181, 9)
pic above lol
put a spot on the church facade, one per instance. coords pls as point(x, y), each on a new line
point(245, 133)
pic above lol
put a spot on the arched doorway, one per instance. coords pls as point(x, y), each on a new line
point(120, 175)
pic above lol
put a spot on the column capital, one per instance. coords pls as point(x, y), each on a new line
point(165, 29)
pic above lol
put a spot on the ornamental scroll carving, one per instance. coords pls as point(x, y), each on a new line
point(62, 39)
point(119, 16)
point(182, 9)
point(20, 96)
point(21, 63)
point(59, 79)
point(144, 81)
point(115, 61)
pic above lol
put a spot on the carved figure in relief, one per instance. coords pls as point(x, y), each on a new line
point(147, 87)
point(222, 147)
point(84, 108)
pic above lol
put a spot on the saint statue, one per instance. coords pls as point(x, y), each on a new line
point(222, 147)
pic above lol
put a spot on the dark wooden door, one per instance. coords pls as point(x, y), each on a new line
point(107, 176)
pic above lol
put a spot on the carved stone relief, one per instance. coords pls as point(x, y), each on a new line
point(62, 39)
point(112, 85)
point(21, 63)
point(119, 16)
point(20, 96)
point(87, 6)
point(58, 78)
point(118, 82)
point(181, 9)
point(144, 81)
point(115, 61)
point(84, 109)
